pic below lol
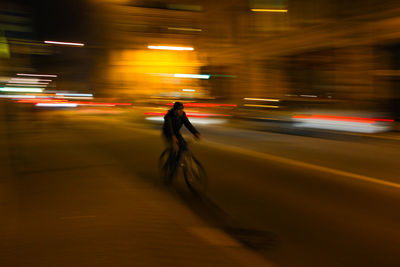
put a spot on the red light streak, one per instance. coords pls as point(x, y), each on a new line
point(208, 105)
point(47, 100)
point(206, 114)
point(341, 118)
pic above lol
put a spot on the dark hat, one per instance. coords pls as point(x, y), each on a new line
point(178, 105)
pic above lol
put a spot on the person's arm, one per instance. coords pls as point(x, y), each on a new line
point(189, 126)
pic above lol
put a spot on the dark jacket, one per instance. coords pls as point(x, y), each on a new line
point(174, 122)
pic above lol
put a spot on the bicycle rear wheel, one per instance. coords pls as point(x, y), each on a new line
point(195, 175)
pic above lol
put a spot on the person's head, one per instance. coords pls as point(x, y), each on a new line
point(178, 107)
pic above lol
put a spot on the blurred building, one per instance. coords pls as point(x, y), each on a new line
point(16, 45)
point(330, 52)
point(339, 53)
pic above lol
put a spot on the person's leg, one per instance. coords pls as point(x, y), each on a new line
point(172, 158)
point(183, 147)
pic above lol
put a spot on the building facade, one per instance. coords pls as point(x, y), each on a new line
point(343, 53)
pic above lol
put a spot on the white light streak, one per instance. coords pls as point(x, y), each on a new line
point(37, 75)
point(73, 94)
point(64, 43)
point(163, 47)
point(193, 76)
point(30, 79)
point(57, 105)
point(25, 79)
point(22, 90)
point(189, 90)
point(73, 97)
point(28, 82)
point(25, 85)
point(308, 96)
point(17, 96)
point(341, 125)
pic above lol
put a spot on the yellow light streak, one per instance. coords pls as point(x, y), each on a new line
point(184, 29)
point(262, 99)
point(261, 106)
point(269, 10)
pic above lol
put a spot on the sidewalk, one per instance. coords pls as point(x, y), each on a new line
point(73, 207)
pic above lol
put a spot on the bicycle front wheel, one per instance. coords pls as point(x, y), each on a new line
point(195, 175)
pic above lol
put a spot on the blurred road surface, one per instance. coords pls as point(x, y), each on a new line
point(295, 200)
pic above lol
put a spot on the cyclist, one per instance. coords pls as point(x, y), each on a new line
point(173, 122)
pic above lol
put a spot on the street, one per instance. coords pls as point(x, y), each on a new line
point(72, 183)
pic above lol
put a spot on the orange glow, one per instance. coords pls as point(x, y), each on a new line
point(184, 29)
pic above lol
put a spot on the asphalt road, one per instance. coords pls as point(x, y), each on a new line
point(298, 201)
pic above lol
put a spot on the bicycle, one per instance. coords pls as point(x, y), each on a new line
point(193, 171)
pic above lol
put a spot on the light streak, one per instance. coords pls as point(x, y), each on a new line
point(74, 97)
point(57, 105)
point(25, 85)
point(261, 106)
point(308, 96)
point(262, 99)
point(63, 43)
point(37, 75)
point(269, 10)
point(73, 94)
point(204, 105)
point(176, 48)
point(17, 96)
point(193, 76)
point(341, 118)
point(27, 82)
point(184, 29)
point(22, 90)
